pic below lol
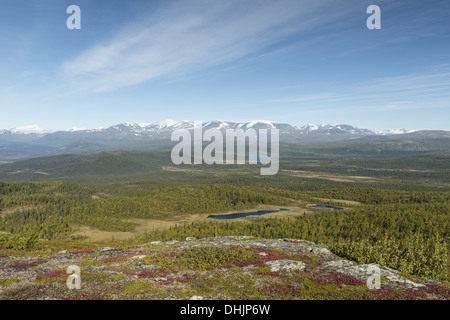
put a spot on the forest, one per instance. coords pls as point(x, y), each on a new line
point(399, 219)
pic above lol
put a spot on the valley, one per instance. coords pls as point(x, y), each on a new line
point(143, 226)
point(395, 210)
point(237, 150)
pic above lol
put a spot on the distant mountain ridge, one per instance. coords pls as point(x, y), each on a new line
point(163, 129)
point(33, 141)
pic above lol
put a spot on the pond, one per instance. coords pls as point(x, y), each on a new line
point(243, 214)
point(323, 207)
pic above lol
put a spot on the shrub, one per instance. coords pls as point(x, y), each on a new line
point(389, 293)
point(18, 243)
point(279, 291)
point(26, 265)
point(7, 282)
point(416, 254)
point(187, 278)
point(155, 273)
point(210, 257)
point(205, 258)
point(58, 274)
point(340, 279)
point(438, 290)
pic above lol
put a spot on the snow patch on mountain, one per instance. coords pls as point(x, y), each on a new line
point(28, 130)
point(310, 127)
point(165, 127)
point(393, 131)
point(266, 122)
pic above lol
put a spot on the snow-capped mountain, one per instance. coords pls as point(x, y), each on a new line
point(29, 130)
point(23, 134)
point(33, 141)
point(335, 128)
point(33, 129)
point(393, 131)
point(165, 127)
point(131, 132)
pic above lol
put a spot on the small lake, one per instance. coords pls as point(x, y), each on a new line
point(323, 207)
point(243, 214)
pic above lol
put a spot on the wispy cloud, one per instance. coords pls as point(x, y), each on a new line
point(186, 36)
point(411, 91)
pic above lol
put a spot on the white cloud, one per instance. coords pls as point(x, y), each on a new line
point(186, 36)
point(424, 90)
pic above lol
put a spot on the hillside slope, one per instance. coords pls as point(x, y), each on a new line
point(218, 268)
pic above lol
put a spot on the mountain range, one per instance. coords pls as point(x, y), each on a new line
point(163, 129)
point(32, 141)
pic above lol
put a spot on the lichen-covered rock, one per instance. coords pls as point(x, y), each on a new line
point(107, 249)
point(285, 265)
point(169, 242)
point(334, 264)
point(322, 250)
point(138, 257)
point(362, 271)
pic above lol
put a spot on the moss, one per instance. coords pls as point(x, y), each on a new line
point(7, 282)
point(251, 239)
point(262, 269)
point(234, 268)
point(383, 278)
point(136, 287)
point(313, 291)
point(90, 256)
point(204, 286)
point(239, 286)
point(235, 285)
point(144, 289)
point(410, 276)
point(95, 278)
point(183, 293)
point(311, 260)
point(119, 276)
point(332, 269)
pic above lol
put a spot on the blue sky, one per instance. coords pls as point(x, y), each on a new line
point(290, 61)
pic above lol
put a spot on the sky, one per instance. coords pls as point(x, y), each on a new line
point(290, 61)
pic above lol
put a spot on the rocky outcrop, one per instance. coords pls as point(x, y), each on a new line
point(286, 265)
point(363, 272)
point(271, 269)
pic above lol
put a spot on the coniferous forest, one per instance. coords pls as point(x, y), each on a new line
point(400, 219)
